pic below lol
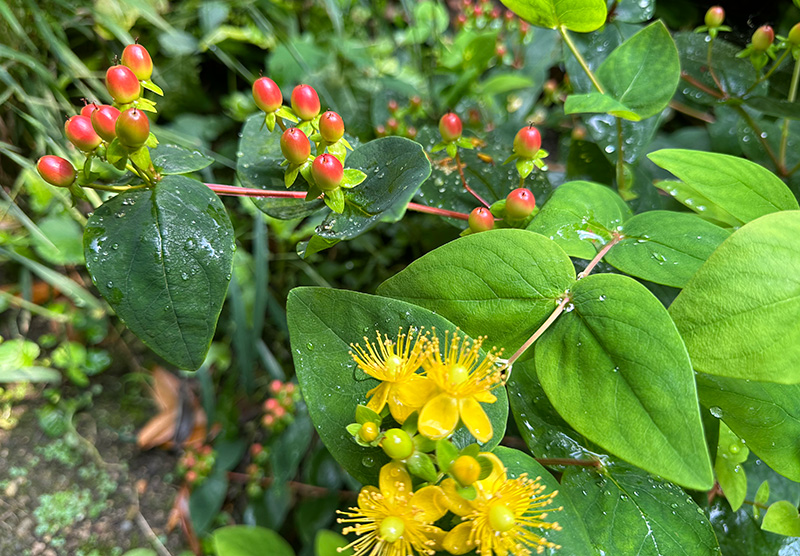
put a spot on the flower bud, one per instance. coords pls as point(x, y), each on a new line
point(714, 17)
point(762, 38)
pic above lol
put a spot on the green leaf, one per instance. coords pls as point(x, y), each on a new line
point(322, 325)
point(782, 518)
point(504, 83)
point(598, 102)
point(141, 158)
point(62, 242)
point(150, 86)
point(582, 16)
point(328, 543)
point(665, 247)
point(206, 500)
point(421, 465)
point(162, 258)
point(765, 415)
point(690, 197)
point(335, 200)
point(744, 189)
point(777, 107)
point(502, 284)
point(172, 159)
point(615, 368)
point(241, 540)
point(116, 154)
point(364, 414)
point(580, 214)
point(446, 454)
point(738, 313)
point(141, 552)
point(731, 453)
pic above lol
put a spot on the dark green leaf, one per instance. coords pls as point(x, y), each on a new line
point(738, 313)
point(172, 159)
point(780, 108)
point(162, 258)
point(582, 16)
point(206, 500)
point(634, 11)
point(502, 284)
point(241, 540)
point(615, 368)
point(599, 102)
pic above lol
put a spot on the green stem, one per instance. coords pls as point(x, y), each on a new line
point(711, 66)
point(570, 461)
point(620, 157)
point(26, 305)
point(521, 180)
point(769, 72)
point(581, 61)
point(144, 177)
point(550, 320)
point(792, 97)
point(117, 188)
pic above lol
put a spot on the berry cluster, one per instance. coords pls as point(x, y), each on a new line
point(484, 14)
point(256, 471)
point(196, 465)
point(324, 172)
point(118, 133)
point(280, 408)
point(401, 119)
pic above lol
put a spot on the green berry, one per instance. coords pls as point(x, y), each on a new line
point(714, 17)
point(762, 38)
point(397, 444)
point(794, 34)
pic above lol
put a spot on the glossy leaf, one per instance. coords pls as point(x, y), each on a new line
point(744, 189)
point(582, 16)
point(162, 258)
point(634, 11)
point(777, 107)
point(741, 535)
point(502, 284)
point(690, 197)
point(241, 540)
point(738, 313)
point(322, 325)
point(598, 102)
point(172, 159)
point(616, 369)
point(782, 518)
point(665, 247)
point(731, 453)
point(764, 414)
point(580, 215)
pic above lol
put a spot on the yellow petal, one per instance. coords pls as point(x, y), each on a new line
point(475, 419)
point(415, 391)
point(457, 540)
point(437, 536)
point(394, 480)
point(453, 500)
point(365, 496)
point(399, 410)
point(498, 474)
point(485, 397)
point(377, 397)
point(430, 500)
point(439, 417)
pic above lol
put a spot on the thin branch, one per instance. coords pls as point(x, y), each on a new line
point(696, 84)
point(464, 182)
point(571, 461)
point(302, 489)
point(580, 59)
point(550, 320)
point(620, 157)
point(600, 254)
point(689, 111)
point(711, 66)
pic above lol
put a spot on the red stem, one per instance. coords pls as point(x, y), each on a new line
point(464, 181)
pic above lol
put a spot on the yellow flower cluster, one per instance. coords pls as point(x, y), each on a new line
point(439, 384)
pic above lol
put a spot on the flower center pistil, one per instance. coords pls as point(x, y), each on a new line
point(392, 529)
point(393, 365)
point(457, 375)
point(501, 518)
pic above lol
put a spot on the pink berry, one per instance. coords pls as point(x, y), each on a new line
point(305, 102)
point(714, 17)
point(56, 170)
point(88, 109)
point(137, 58)
point(133, 128)
point(450, 127)
point(267, 94)
point(122, 84)
point(331, 126)
point(327, 172)
point(527, 142)
point(480, 220)
point(520, 203)
point(80, 133)
point(295, 146)
point(104, 121)
point(762, 38)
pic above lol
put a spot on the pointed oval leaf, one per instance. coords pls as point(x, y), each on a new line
point(162, 258)
point(502, 284)
point(582, 16)
point(322, 324)
point(616, 369)
point(738, 314)
point(243, 540)
point(591, 103)
point(172, 159)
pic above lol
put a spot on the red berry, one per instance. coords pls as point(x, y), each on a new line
point(104, 121)
point(527, 142)
point(411, 132)
point(495, 14)
point(327, 172)
point(714, 17)
point(122, 84)
point(56, 170)
point(331, 126)
point(762, 38)
point(267, 94)
point(380, 131)
point(88, 109)
point(500, 50)
point(520, 203)
point(80, 133)
point(415, 102)
point(794, 34)
point(392, 124)
point(392, 105)
point(305, 102)
point(509, 15)
point(137, 58)
point(480, 220)
point(478, 11)
point(295, 146)
point(450, 127)
point(133, 128)
point(461, 20)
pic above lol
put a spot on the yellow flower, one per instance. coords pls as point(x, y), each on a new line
point(393, 520)
point(395, 364)
point(462, 381)
point(500, 518)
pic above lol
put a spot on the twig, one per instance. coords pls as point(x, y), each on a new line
point(464, 182)
point(302, 489)
point(571, 45)
point(557, 311)
point(600, 254)
point(148, 532)
point(695, 83)
point(689, 111)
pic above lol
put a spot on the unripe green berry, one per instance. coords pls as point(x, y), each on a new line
point(450, 127)
point(331, 126)
point(122, 84)
point(295, 146)
point(762, 38)
point(137, 58)
point(520, 203)
point(527, 142)
point(104, 121)
point(480, 220)
point(305, 102)
point(133, 128)
point(267, 94)
point(56, 170)
point(465, 469)
point(327, 172)
point(714, 17)
point(794, 34)
point(368, 432)
point(397, 444)
point(80, 133)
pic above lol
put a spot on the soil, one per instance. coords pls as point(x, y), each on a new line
point(57, 497)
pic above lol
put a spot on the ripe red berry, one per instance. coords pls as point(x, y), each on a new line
point(122, 84)
point(133, 128)
point(327, 172)
point(794, 34)
point(267, 94)
point(480, 220)
point(104, 121)
point(392, 124)
point(137, 58)
point(305, 102)
point(527, 142)
point(331, 126)
point(80, 133)
point(392, 106)
point(450, 127)
point(88, 109)
point(415, 102)
point(714, 17)
point(56, 170)
point(295, 146)
point(762, 38)
point(520, 203)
